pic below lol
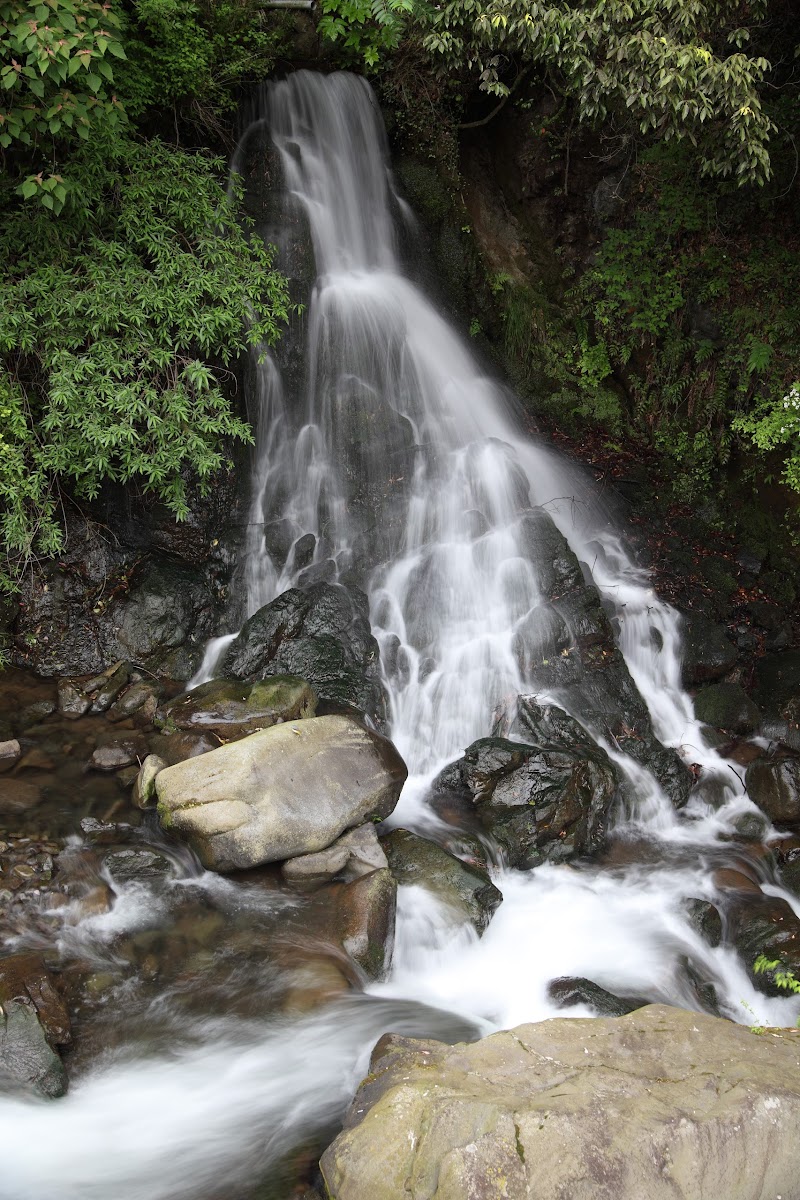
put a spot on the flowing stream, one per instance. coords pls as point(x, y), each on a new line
point(397, 463)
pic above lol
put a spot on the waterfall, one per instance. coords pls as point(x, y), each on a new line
point(397, 462)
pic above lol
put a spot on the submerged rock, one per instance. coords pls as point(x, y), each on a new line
point(288, 790)
point(662, 1103)
point(321, 634)
point(466, 889)
point(231, 708)
point(566, 992)
point(550, 802)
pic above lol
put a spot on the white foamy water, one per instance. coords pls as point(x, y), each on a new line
point(400, 461)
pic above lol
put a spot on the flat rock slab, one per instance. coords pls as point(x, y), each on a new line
point(285, 791)
point(662, 1104)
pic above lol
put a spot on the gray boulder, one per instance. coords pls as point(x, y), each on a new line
point(354, 854)
point(285, 791)
point(663, 1103)
point(466, 889)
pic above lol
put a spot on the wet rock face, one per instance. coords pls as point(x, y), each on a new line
point(464, 888)
point(154, 611)
point(321, 634)
point(566, 648)
point(774, 785)
point(692, 1107)
point(286, 791)
point(231, 708)
point(550, 802)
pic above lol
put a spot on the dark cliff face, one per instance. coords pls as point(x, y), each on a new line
point(133, 584)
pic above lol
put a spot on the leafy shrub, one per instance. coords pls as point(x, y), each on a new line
point(109, 319)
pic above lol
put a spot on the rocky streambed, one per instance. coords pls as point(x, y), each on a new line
point(184, 857)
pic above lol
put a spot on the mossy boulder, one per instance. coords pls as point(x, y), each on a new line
point(727, 706)
point(232, 708)
point(662, 1103)
point(288, 790)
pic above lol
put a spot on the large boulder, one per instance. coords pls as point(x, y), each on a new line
point(321, 634)
point(285, 791)
point(231, 708)
point(663, 1103)
point(467, 890)
point(546, 802)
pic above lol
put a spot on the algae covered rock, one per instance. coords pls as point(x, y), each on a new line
point(231, 708)
point(663, 1104)
point(288, 790)
point(727, 706)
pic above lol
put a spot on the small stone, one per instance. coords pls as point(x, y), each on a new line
point(144, 790)
point(10, 749)
point(114, 755)
point(24, 871)
point(72, 701)
point(133, 700)
point(110, 689)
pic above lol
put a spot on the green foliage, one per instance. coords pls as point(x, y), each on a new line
point(179, 51)
point(701, 329)
point(776, 423)
point(782, 977)
point(367, 29)
point(57, 81)
point(108, 321)
point(660, 68)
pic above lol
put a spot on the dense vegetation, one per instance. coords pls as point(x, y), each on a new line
point(129, 282)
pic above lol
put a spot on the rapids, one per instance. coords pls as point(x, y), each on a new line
point(405, 463)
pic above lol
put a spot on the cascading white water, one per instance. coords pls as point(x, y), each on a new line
point(400, 462)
